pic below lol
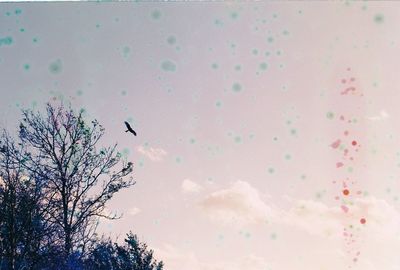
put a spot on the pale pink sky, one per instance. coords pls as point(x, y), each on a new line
point(232, 105)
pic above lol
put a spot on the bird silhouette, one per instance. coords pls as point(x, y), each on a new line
point(129, 128)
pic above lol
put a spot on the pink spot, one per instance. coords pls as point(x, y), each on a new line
point(363, 221)
point(339, 164)
point(343, 80)
point(342, 117)
point(335, 144)
point(346, 132)
point(347, 90)
point(344, 208)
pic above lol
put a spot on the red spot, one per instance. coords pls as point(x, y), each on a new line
point(339, 164)
point(346, 192)
point(335, 144)
point(363, 221)
point(344, 208)
point(354, 143)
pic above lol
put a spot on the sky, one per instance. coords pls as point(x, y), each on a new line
point(267, 132)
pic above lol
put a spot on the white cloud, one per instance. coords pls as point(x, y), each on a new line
point(176, 259)
point(381, 116)
point(189, 186)
point(240, 203)
point(154, 154)
point(134, 211)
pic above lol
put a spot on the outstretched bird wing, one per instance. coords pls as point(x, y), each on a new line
point(130, 129)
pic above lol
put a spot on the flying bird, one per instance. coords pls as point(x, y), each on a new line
point(129, 128)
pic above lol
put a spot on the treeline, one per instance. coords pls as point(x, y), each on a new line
point(55, 182)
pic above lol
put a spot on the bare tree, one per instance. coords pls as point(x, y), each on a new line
point(63, 150)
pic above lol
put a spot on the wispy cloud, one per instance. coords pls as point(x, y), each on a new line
point(189, 186)
point(176, 259)
point(240, 204)
point(381, 116)
point(154, 154)
point(134, 211)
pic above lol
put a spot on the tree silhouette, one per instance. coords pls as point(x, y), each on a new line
point(55, 182)
point(24, 233)
point(132, 255)
point(80, 178)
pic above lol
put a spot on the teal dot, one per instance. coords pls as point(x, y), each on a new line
point(55, 67)
point(238, 139)
point(255, 51)
point(18, 11)
point(6, 41)
point(288, 157)
point(285, 32)
point(236, 87)
point(218, 104)
point(271, 170)
point(126, 51)
point(168, 66)
point(8, 13)
point(218, 22)
point(293, 131)
point(123, 92)
point(192, 141)
point(378, 18)
point(263, 66)
point(270, 39)
point(303, 177)
point(156, 14)
point(234, 15)
point(34, 40)
point(273, 236)
point(238, 67)
point(27, 67)
point(125, 152)
point(178, 159)
point(171, 40)
point(330, 115)
point(22, 29)
point(97, 25)
point(141, 163)
point(214, 65)
point(79, 92)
